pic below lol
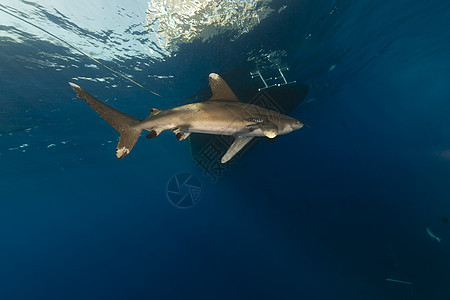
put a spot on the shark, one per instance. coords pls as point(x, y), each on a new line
point(222, 114)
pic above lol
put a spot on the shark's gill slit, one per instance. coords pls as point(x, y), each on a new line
point(80, 51)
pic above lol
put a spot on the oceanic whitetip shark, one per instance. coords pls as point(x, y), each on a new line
point(222, 114)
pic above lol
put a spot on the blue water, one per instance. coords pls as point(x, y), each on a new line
point(327, 212)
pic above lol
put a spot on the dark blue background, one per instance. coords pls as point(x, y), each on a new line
point(327, 212)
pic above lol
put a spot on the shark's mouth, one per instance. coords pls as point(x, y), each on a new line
point(172, 22)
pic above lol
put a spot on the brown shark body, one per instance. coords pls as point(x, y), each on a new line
point(222, 114)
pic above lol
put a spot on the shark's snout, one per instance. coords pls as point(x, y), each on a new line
point(297, 125)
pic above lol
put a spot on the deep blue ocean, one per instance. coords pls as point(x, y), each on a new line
point(336, 210)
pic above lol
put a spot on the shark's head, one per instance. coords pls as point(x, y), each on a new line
point(296, 124)
point(288, 124)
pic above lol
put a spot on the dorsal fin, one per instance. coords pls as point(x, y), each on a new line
point(220, 89)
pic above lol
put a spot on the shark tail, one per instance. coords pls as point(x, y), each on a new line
point(125, 124)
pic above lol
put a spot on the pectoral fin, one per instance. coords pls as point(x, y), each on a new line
point(238, 144)
point(270, 130)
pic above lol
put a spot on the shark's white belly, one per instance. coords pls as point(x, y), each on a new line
point(224, 130)
point(222, 126)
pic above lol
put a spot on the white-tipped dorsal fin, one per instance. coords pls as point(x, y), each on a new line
point(220, 89)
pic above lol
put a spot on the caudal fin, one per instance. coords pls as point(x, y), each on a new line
point(125, 124)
